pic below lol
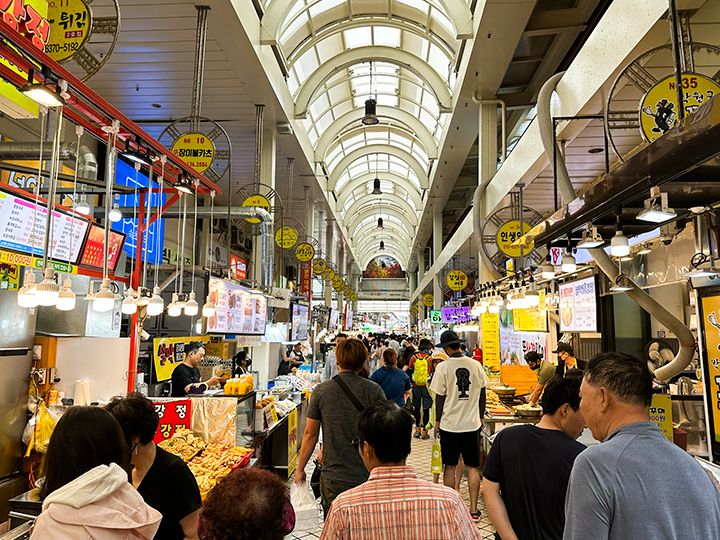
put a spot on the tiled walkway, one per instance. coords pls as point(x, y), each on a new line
point(420, 461)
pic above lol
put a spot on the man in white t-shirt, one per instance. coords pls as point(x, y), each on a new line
point(459, 385)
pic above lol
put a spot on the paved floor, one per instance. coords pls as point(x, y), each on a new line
point(420, 460)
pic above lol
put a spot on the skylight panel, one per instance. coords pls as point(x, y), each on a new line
point(386, 36)
point(358, 37)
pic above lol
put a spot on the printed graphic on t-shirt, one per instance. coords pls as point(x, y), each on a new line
point(462, 380)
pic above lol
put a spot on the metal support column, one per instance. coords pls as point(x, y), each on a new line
point(487, 167)
point(437, 249)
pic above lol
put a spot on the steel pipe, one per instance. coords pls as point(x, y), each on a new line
point(19, 151)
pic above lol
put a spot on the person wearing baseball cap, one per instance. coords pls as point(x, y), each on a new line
point(459, 387)
point(568, 364)
point(545, 372)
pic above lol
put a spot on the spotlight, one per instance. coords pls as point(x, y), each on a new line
point(40, 93)
point(184, 186)
point(134, 155)
point(622, 284)
point(656, 208)
point(590, 238)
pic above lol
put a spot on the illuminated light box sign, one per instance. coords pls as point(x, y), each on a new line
point(237, 310)
point(93, 254)
point(578, 306)
point(456, 314)
point(153, 250)
point(17, 233)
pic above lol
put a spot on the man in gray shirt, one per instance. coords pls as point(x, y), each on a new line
point(336, 405)
point(636, 484)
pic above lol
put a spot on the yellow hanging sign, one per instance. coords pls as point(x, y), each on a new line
point(197, 150)
point(318, 266)
point(491, 341)
point(304, 252)
point(260, 202)
point(70, 26)
point(658, 107)
point(507, 234)
point(457, 280)
point(286, 237)
point(661, 413)
point(427, 300)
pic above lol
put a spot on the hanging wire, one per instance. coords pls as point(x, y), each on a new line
point(177, 257)
point(79, 130)
point(134, 219)
point(158, 239)
point(148, 211)
point(112, 136)
point(38, 180)
point(192, 283)
point(211, 228)
point(182, 242)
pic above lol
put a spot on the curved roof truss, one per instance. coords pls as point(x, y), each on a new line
point(398, 252)
point(362, 180)
point(391, 229)
point(356, 220)
point(352, 118)
point(458, 11)
point(403, 59)
point(370, 20)
point(372, 149)
point(390, 204)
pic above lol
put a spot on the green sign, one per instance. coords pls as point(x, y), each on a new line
point(436, 316)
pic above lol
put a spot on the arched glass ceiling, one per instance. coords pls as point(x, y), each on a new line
point(403, 53)
point(360, 136)
point(377, 163)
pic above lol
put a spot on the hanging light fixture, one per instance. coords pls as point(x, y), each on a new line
point(656, 208)
point(67, 297)
point(590, 238)
point(129, 306)
point(645, 249)
point(40, 93)
point(619, 245)
point(82, 206)
point(568, 262)
point(370, 118)
point(155, 304)
point(622, 283)
point(135, 155)
point(175, 307)
point(184, 186)
point(382, 245)
point(547, 271)
point(26, 294)
point(376, 187)
point(115, 214)
point(103, 300)
point(380, 223)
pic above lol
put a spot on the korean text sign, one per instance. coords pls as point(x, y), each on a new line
point(173, 415)
point(168, 352)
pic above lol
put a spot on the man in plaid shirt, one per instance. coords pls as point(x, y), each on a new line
point(394, 503)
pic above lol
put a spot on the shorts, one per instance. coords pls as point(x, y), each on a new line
point(421, 398)
point(452, 445)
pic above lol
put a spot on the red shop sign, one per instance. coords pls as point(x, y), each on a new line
point(306, 279)
point(173, 415)
point(238, 266)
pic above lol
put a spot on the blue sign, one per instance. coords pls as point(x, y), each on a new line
point(152, 252)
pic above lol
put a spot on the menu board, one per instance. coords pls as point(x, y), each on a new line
point(299, 322)
point(18, 218)
point(94, 251)
point(237, 310)
point(578, 306)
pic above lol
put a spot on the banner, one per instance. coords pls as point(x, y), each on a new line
point(530, 320)
point(238, 267)
point(168, 352)
point(491, 341)
point(661, 414)
point(173, 415)
point(711, 333)
point(292, 441)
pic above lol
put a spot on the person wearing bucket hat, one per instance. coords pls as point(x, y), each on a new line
point(459, 385)
point(567, 363)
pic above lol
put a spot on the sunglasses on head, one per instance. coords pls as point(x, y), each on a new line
point(356, 442)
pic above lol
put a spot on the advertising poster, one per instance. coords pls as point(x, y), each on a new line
point(237, 310)
point(530, 320)
point(459, 314)
point(491, 341)
point(292, 441)
point(711, 332)
point(578, 306)
point(299, 322)
point(168, 352)
point(94, 252)
point(661, 414)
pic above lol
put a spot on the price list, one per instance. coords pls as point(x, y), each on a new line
point(236, 310)
point(22, 228)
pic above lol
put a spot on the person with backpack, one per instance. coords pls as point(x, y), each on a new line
point(419, 368)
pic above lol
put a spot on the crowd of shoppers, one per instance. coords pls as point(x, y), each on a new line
point(105, 478)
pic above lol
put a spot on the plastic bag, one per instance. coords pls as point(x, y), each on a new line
point(306, 508)
point(436, 466)
point(39, 430)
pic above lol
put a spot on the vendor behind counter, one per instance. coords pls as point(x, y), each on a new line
point(186, 375)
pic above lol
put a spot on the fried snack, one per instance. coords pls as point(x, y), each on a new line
point(184, 444)
point(492, 398)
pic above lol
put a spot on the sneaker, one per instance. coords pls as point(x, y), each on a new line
point(475, 516)
point(417, 432)
point(425, 435)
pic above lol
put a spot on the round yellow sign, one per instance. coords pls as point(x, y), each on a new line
point(70, 26)
point(457, 280)
point(304, 252)
point(328, 274)
point(319, 265)
point(507, 234)
point(337, 283)
point(658, 108)
point(286, 237)
point(261, 202)
point(195, 149)
point(427, 300)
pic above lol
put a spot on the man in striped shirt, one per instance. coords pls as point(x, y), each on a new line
point(394, 503)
